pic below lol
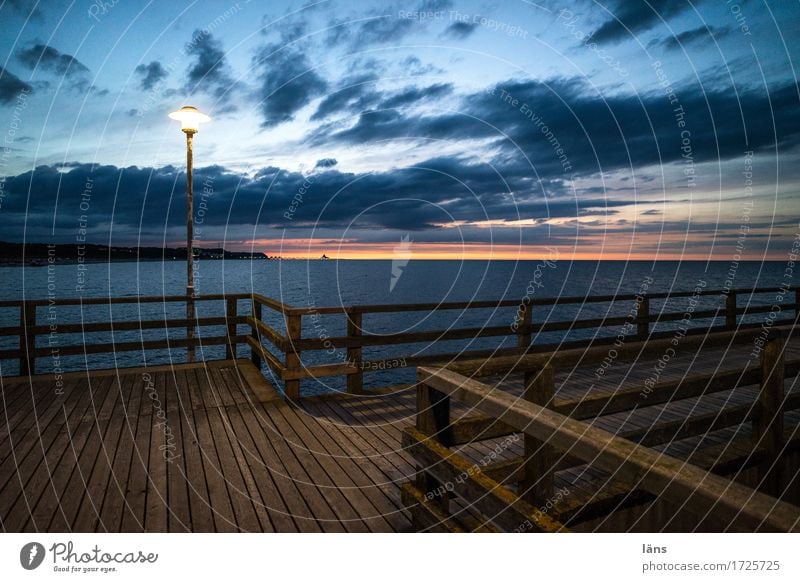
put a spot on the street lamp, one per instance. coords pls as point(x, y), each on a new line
point(190, 119)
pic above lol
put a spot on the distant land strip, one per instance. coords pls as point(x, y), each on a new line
point(41, 254)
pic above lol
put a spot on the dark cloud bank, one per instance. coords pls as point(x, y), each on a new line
point(525, 178)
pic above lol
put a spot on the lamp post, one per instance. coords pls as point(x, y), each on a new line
point(190, 119)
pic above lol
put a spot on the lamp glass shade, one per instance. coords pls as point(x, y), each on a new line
point(189, 117)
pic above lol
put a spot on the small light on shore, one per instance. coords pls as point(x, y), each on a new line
point(190, 118)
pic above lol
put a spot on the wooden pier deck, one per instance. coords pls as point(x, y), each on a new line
point(213, 448)
point(205, 448)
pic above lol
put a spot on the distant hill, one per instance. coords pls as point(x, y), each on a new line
point(37, 253)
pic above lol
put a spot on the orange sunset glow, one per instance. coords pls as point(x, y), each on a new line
point(589, 249)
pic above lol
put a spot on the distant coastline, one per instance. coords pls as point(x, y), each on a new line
point(41, 254)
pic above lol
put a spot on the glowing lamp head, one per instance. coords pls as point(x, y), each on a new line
point(190, 118)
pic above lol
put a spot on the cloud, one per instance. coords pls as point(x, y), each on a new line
point(632, 16)
point(435, 5)
point(387, 26)
point(40, 56)
point(11, 86)
point(209, 71)
point(326, 163)
point(151, 74)
point(413, 66)
point(694, 36)
point(288, 83)
point(354, 94)
point(150, 202)
point(564, 126)
point(24, 7)
point(289, 28)
point(377, 30)
point(383, 30)
point(460, 30)
point(444, 200)
point(413, 95)
point(359, 95)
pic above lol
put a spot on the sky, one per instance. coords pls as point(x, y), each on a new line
point(607, 129)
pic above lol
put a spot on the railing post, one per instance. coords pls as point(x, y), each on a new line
point(191, 318)
point(538, 483)
point(797, 304)
point(730, 310)
point(768, 422)
point(294, 325)
point(355, 382)
point(27, 339)
point(524, 329)
point(433, 419)
point(231, 314)
point(643, 318)
point(255, 357)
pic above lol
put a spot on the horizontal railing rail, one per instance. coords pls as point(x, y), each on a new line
point(540, 302)
point(591, 355)
point(557, 437)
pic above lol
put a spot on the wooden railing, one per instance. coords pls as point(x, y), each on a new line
point(282, 346)
point(556, 437)
point(33, 325)
point(522, 325)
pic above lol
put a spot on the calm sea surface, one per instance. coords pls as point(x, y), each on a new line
point(325, 283)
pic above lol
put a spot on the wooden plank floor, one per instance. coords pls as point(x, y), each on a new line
point(213, 448)
point(189, 448)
